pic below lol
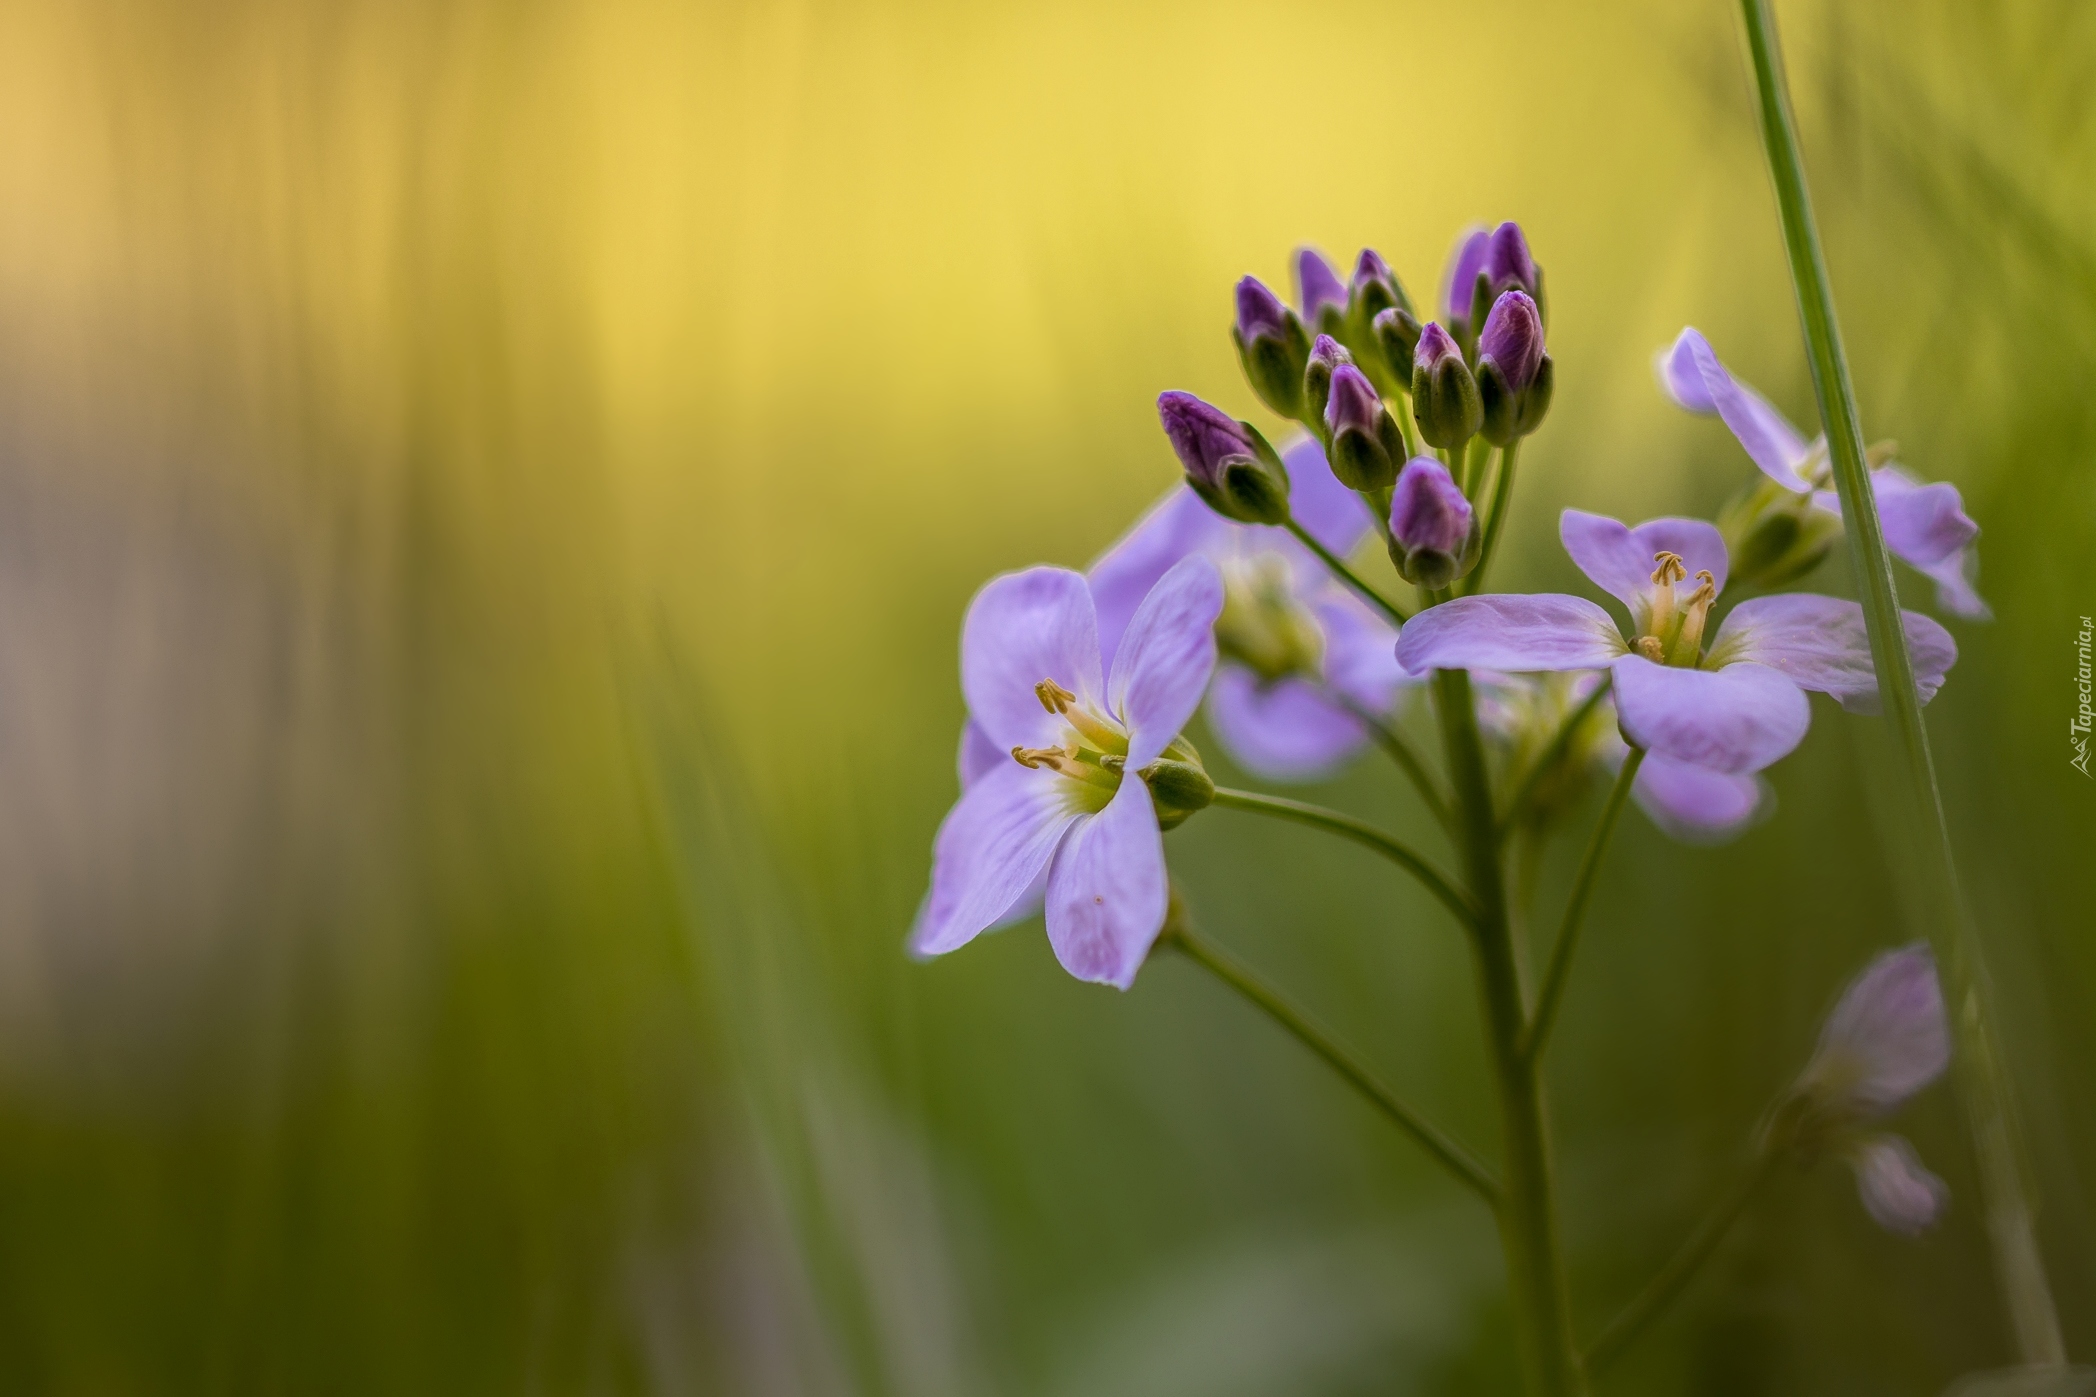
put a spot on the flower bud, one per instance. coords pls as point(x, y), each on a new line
point(1272, 347)
point(1326, 355)
point(1227, 462)
point(1320, 292)
point(1376, 291)
point(1444, 395)
point(1774, 536)
point(1396, 336)
point(1484, 267)
point(1179, 784)
point(1434, 534)
point(1514, 378)
point(1366, 443)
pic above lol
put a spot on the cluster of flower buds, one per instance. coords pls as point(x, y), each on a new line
point(1486, 266)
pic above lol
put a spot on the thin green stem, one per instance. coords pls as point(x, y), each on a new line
point(1983, 1080)
point(1528, 1226)
point(1346, 574)
point(1404, 754)
point(1475, 458)
point(1242, 978)
point(1553, 991)
point(1660, 1291)
point(1549, 757)
point(1346, 826)
point(1495, 517)
point(1406, 426)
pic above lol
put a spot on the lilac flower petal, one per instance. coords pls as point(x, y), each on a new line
point(1107, 893)
point(979, 755)
point(991, 849)
point(1620, 560)
point(1177, 525)
point(1888, 1037)
point(1329, 512)
point(1954, 590)
point(1693, 377)
point(1697, 805)
point(1510, 631)
point(1284, 731)
point(1821, 643)
point(1898, 1191)
point(1165, 658)
point(1360, 659)
point(1924, 524)
point(1464, 263)
point(1022, 628)
point(1316, 284)
point(1736, 720)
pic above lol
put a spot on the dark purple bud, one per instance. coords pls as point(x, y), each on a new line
point(1327, 355)
point(1464, 264)
point(1228, 464)
point(1444, 394)
point(1428, 510)
point(1259, 311)
point(1317, 286)
point(1364, 436)
point(1204, 437)
point(1435, 345)
point(1370, 268)
point(1513, 339)
point(1507, 263)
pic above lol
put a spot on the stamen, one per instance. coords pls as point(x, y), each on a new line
point(1053, 696)
point(1651, 649)
point(1670, 570)
point(1706, 588)
point(1034, 758)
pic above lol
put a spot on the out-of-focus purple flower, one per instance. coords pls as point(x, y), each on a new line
point(1925, 526)
point(1060, 815)
point(1433, 531)
point(1318, 289)
point(1226, 461)
point(1301, 657)
point(1501, 257)
point(1737, 707)
point(1444, 394)
point(1886, 1040)
point(1366, 443)
point(1271, 345)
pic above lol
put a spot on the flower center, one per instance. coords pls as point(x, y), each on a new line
point(1093, 751)
point(1263, 625)
point(1673, 632)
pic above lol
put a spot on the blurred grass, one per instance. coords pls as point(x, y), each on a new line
point(487, 494)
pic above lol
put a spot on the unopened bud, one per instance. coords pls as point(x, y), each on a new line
point(1396, 336)
point(1326, 356)
point(1178, 787)
point(1774, 535)
point(1444, 395)
point(1227, 462)
point(1434, 534)
point(1320, 292)
point(1374, 292)
point(1514, 379)
point(1366, 443)
point(1271, 345)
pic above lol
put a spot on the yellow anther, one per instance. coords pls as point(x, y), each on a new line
point(1053, 696)
point(1033, 758)
point(1670, 570)
point(1651, 649)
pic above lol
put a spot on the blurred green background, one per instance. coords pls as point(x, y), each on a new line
point(487, 496)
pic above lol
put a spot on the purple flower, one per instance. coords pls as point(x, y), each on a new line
point(1317, 287)
point(1737, 707)
point(1433, 531)
point(1500, 256)
point(1925, 525)
point(1301, 656)
point(1886, 1040)
point(1060, 814)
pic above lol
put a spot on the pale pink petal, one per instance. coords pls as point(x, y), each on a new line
point(1888, 1037)
point(1284, 731)
point(992, 848)
point(1511, 631)
point(1736, 720)
point(1691, 374)
point(1022, 628)
point(1821, 643)
point(1620, 560)
point(1897, 1189)
point(1166, 657)
point(1176, 526)
point(1107, 891)
point(1696, 805)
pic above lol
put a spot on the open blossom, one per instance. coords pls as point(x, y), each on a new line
point(1301, 657)
point(1734, 707)
point(1925, 525)
point(1886, 1040)
point(1057, 818)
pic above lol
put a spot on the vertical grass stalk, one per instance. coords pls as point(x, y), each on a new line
point(1982, 1077)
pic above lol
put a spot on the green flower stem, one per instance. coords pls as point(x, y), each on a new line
point(1346, 574)
point(1982, 1075)
point(1407, 426)
point(1528, 1226)
point(1476, 457)
point(1240, 977)
point(1346, 826)
point(1560, 741)
point(1553, 991)
point(1408, 760)
point(1495, 516)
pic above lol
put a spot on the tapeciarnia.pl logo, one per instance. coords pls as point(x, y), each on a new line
point(2078, 730)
